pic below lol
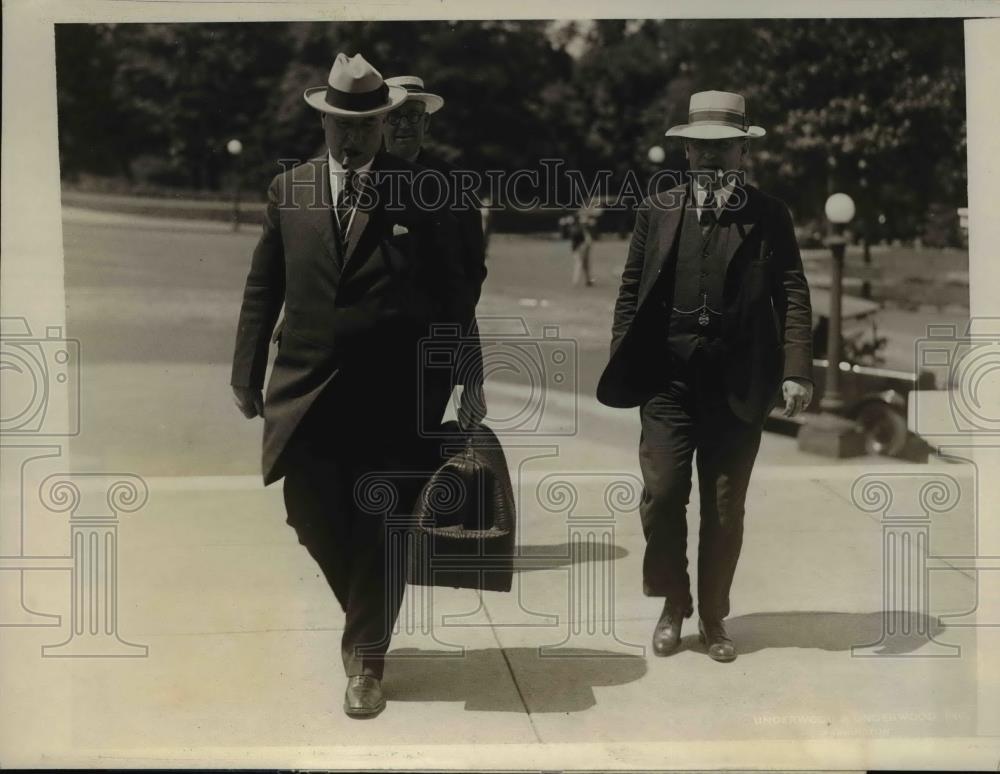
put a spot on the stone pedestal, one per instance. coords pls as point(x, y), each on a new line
point(831, 436)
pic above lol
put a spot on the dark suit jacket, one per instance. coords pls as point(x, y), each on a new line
point(468, 216)
point(472, 246)
point(767, 319)
point(341, 311)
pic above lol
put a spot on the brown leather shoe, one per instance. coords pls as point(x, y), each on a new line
point(363, 697)
point(714, 637)
point(667, 634)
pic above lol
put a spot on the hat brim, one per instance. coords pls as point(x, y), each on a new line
point(708, 131)
point(432, 101)
point(316, 98)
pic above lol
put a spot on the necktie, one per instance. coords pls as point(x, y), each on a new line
point(344, 206)
point(707, 218)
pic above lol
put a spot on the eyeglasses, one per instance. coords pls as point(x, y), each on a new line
point(411, 118)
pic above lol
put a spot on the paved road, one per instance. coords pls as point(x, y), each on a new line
point(154, 304)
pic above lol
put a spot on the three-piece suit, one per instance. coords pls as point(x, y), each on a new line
point(712, 315)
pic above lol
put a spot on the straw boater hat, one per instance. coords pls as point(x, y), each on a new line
point(415, 91)
point(716, 115)
point(354, 88)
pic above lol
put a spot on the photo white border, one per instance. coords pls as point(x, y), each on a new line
point(31, 285)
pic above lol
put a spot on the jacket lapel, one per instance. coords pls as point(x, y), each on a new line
point(666, 232)
point(740, 222)
point(363, 217)
point(357, 227)
point(318, 212)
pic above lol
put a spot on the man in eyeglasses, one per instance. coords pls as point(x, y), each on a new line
point(404, 133)
point(713, 319)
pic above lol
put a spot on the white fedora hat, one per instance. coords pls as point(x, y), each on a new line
point(415, 91)
point(716, 115)
point(354, 88)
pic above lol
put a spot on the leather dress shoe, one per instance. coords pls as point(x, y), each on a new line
point(363, 697)
point(667, 634)
point(714, 637)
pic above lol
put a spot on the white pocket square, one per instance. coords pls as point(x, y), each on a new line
point(397, 229)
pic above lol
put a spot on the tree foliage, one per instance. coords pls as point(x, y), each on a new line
point(872, 107)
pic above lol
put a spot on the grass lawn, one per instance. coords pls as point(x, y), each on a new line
point(906, 277)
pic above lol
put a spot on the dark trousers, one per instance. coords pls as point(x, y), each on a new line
point(342, 461)
point(690, 417)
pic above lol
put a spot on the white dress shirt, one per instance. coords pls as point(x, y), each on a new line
point(721, 196)
point(337, 175)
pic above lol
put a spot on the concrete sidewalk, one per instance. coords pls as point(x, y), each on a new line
point(243, 633)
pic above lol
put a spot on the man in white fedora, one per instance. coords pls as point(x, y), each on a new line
point(405, 132)
point(712, 322)
point(341, 403)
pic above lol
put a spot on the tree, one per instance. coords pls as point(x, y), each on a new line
point(842, 100)
point(96, 131)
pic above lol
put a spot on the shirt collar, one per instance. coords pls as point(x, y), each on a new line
point(337, 167)
point(337, 175)
point(721, 196)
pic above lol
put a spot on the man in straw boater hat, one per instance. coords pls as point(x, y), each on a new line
point(404, 132)
point(712, 319)
point(341, 403)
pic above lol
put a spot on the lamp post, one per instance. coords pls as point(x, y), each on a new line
point(839, 211)
point(828, 433)
point(656, 156)
point(235, 148)
point(866, 254)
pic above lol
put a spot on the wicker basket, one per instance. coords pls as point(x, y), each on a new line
point(466, 521)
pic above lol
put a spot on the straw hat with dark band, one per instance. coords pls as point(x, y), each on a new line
point(716, 115)
point(415, 91)
point(354, 88)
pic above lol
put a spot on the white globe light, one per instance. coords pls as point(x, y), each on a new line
point(235, 147)
point(656, 154)
point(840, 208)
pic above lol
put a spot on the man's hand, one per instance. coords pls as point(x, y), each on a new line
point(249, 400)
point(798, 395)
point(472, 409)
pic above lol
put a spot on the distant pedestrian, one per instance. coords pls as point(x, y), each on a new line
point(581, 228)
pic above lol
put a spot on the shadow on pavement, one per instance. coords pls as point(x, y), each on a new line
point(822, 631)
point(553, 683)
point(548, 557)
